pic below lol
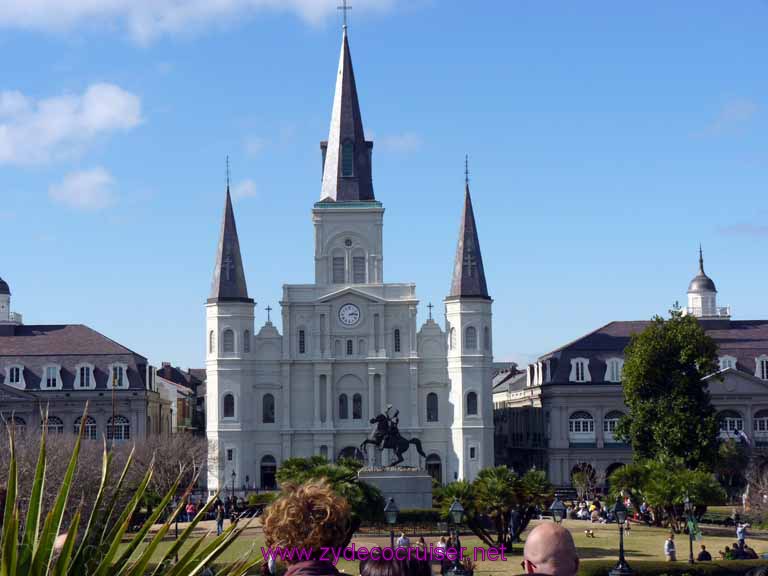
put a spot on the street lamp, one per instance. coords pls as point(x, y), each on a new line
point(456, 512)
point(234, 475)
point(620, 512)
point(558, 510)
point(390, 513)
point(688, 507)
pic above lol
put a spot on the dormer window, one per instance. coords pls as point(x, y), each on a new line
point(118, 376)
point(51, 378)
point(727, 362)
point(14, 376)
point(580, 370)
point(761, 370)
point(84, 376)
point(614, 368)
point(347, 159)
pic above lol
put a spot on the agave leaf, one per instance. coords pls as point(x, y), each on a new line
point(122, 561)
point(79, 558)
point(242, 567)
point(110, 536)
point(65, 557)
point(9, 541)
point(201, 561)
point(191, 560)
point(34, 512)
point(187, 533)
point(188, 555)
point(43, 553)
point(105, 565)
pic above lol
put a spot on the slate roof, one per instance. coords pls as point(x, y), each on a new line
point(743, 339)
point(346, 126)
point(67, 345)
point(229, 276)
point(468, 272)
point(176, 375)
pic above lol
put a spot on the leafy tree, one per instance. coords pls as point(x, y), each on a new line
point(365, 500)
point(664, 484)
point(732, 464)
point(670, 411)
point(499, 495)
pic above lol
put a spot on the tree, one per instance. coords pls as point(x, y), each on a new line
point(365, 500)
point(732, 464)
point(664, 484)
point(508, 500)
point(669, 406)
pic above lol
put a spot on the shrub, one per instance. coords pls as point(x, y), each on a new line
point(680, 568)
point(419, 516)
point(261, 499)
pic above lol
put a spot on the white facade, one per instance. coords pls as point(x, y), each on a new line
point(350, 345)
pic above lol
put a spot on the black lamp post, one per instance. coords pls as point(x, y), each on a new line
point(456, 512)
point(234, 475)
point(688, 507)
point(620, 512)
point(558, 510)
point(390, 513)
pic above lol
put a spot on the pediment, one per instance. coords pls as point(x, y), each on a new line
point(736, 382)
point(350, 291)
point(9, 393)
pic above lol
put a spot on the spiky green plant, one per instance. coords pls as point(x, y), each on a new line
point(100, 548)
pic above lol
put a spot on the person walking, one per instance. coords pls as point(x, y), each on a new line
point(220, 513)
point(741, 534)
point(403, 541)
point(669, 549)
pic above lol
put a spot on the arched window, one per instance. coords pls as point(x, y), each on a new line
point(229, 406)
point(470, 338)
point(89, 430)
point(228, 341)
point(118, 429)
point(581, 428)
point(760, 420)
point(268, 472)
point(54, 425)
point(347, 159)
point(486, 338)
point(357, 407)
point(19, 425)
point(324, 451)
point(731, 423)
point(343, 407)
point(452, 339)
point(247, 341)
point(435, 467)
point(472, 404)
point(358, 267)
point(350, 348)
point(211, 342)
point(397, 340)
point(268, 409)
point(432, 407)
point(610, 421)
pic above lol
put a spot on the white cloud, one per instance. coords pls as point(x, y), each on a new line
point(244, 189)
point(148, 19)
point(745, 229)
point(85, 190)
point(254, 145)
point(734, 114)
point(405, 142)
point(38, 131)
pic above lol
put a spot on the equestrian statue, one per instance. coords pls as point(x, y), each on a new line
point(387, 436)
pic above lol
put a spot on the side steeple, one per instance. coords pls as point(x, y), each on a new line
point(346, 154)
point(228, 276)
point(468, 271)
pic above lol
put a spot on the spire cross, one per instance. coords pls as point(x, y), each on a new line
point(269, 310)
point(466, 168)
point(229, 266)
point(344, 9)
point(430, 310)
point(227, 171)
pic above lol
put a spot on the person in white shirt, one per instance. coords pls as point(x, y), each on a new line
point(403, 541)
point(669, 548)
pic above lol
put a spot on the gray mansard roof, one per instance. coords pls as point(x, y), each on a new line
point(68, 346)
point(745, 340)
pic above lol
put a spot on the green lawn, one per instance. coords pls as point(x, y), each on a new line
point(642, 543)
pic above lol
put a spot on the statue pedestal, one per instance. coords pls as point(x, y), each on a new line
point(409, 487)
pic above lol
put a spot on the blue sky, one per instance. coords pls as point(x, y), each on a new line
point(606, 139)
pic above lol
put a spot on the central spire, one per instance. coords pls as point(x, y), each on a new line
point(346, 154)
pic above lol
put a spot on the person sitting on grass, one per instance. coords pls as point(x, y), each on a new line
point(549, 549)
point(310, 517)
point(726, 554)
point(704, 556)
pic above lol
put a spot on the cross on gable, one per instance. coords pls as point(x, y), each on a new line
point(269, 310)
point(430, 310)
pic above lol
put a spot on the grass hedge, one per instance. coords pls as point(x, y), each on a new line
point(660, 568)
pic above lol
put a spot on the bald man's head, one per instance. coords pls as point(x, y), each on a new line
point(549, 549)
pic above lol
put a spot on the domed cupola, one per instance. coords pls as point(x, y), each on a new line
point(5, 301)
point(5, 290)
point(702, 295)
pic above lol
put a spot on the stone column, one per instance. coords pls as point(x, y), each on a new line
point(317, 401)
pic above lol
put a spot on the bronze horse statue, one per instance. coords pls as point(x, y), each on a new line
point(388, 436)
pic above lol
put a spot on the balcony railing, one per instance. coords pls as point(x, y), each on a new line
point(717, 312)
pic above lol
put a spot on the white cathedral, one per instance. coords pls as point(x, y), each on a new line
point(350, 345)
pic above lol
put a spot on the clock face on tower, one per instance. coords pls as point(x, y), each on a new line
point(349, 314)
